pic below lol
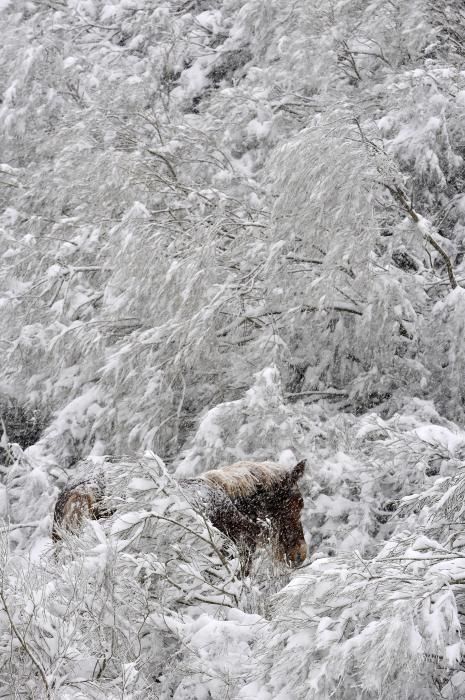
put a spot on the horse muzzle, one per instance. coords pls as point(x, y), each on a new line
point(297, 555)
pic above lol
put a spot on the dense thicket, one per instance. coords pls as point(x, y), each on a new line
point(232, 230)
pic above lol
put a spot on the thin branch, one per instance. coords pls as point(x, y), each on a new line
point(297, 394)
point(342, 308)
point(25, 646)
point(445, 257)
point(400, 197)
point(7, 528)
point(165, 160)
point(371, 53)
point(297, 258)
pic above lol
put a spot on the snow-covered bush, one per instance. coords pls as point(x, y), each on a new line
point(137, 596)
point(384, 627)
point(259, 427)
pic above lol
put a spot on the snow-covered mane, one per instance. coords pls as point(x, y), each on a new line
point(243, 479)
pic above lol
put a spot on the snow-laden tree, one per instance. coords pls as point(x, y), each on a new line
point(164, 152)
point(388, 626)
point(129, 605)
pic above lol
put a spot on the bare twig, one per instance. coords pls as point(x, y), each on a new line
point(19, 526)
point(23, 643)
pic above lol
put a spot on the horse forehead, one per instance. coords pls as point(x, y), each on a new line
point(296, 494)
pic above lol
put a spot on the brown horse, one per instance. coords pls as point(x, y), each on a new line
point(252, 503)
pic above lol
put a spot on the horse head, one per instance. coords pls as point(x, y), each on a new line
point(266, 504)
point(290, 544)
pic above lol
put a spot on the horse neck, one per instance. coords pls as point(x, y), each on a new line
point(259, 505)
point(263, 503)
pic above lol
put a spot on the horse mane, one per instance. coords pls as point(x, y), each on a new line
point(244, 479)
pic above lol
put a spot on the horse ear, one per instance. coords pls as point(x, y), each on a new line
point(298, 471)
